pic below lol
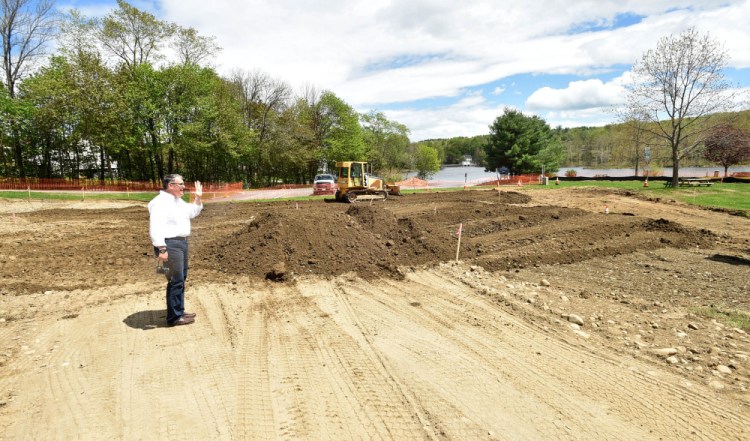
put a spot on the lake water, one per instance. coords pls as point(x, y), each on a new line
point(688, 172)
point(457, 176)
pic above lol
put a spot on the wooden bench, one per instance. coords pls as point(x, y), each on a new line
point(690, 182)
point(695, 182)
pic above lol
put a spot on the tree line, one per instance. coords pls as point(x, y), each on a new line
point(611, 146)
point(623, 145)
point(109, 104)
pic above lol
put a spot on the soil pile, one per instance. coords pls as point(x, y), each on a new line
point(499, 231)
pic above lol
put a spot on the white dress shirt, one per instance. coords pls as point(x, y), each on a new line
point(170, 217)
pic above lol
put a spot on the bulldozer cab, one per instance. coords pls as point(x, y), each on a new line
point(351, 174)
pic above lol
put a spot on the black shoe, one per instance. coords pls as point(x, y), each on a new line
point(182, 321)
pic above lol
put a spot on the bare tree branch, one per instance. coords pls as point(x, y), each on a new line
point(678, 89)
point(25, 30)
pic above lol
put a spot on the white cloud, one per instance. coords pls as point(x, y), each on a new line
point(469, 116)
point(578, 95)
point(577, 118)
point(498, 90)
point(372, 53)
point(328, 42)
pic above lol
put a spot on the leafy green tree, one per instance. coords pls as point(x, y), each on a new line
point(453, 150)
point(343, 135)
point(136, 40)
point(193, 48)
point(426, 161)
point(551, 156)
point(294, 146)
point(209, 138)
point(73, 116)
point(133, 36)
point(458, 148)
point(440, 145)
point(386, 144)
point(522, 143)
point(335, 130)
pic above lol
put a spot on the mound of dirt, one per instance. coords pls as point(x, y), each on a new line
point(500, 232)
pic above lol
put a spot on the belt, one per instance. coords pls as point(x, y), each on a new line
point(176, 238)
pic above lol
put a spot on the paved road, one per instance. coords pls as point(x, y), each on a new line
point(259, 194)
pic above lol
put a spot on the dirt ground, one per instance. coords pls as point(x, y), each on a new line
point(333, 321)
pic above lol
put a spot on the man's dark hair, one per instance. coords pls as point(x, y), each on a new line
point(169, 179)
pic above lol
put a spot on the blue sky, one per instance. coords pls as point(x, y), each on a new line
point(446, 68)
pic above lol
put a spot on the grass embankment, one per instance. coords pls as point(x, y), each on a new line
point(78, 196)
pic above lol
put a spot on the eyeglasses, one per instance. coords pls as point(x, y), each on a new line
point(181, 184)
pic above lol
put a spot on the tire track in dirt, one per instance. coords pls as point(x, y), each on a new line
point(651, 381)
point(133, 355)
point(415, 422)
point(84, 360)
point(338, 346)
point(701, 411)
point(254, 418)
point(299, 393)
point(328, 380)
point(66, 392)
point(616, 377)
point(439, 355)
point(535, 387)
point(450, 374)
point(213, 365)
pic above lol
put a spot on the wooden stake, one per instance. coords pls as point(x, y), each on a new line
point(458, 247)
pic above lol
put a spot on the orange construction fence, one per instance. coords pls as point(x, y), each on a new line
point(529, 179)
point(106, 185)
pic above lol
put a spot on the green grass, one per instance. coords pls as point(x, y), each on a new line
point(77, 196)
point(719, 195)
point(731, 317)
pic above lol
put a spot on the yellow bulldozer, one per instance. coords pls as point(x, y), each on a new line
point(355, 183)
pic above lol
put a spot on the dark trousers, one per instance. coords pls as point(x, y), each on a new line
point(178, 266)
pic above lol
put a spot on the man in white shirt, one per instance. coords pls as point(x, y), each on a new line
point(169, 229)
